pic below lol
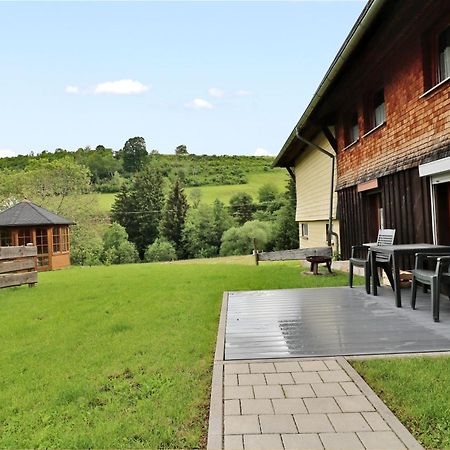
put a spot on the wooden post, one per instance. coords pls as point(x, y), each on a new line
point(255, 251)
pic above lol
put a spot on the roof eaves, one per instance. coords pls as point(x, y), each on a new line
point(357, 32)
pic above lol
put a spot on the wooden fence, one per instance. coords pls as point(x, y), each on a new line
point(297, 254)
point(18, 266)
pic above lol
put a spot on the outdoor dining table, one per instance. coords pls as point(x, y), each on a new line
point(396, 251)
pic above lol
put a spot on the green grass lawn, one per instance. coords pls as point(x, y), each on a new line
point(119, 356)
point(417, 390)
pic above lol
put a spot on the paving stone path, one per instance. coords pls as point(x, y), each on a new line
point(299, 404)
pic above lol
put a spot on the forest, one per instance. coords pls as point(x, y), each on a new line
point(152, 218)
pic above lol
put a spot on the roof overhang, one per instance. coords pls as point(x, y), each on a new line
point(359, 30)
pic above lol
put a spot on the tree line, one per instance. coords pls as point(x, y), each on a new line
point(110, 169)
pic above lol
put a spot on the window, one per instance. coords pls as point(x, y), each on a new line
point(379, 114)
point(436, 55)
point(64, 239)
point(41, 241)
point(444, 55)
point(25, 236)
point(5, 238)
point(304, 230)
point(352, 132)
point(56, 240)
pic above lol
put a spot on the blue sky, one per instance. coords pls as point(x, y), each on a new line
point(219, 77)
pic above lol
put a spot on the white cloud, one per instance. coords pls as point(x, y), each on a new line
point(242, 93)
point(6, 153)
point(71, 89)
point(121, 87)
point(262, 152)
point(216, 92)
point(199, 103)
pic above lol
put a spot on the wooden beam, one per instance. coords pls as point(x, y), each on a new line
point(14, 266)
point(17, 252)
point(17, 279)
point(291, 172)
point(297, 254)
point(330, 138)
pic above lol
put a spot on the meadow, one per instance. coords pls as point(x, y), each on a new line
point(277, 178)
point(120, 356)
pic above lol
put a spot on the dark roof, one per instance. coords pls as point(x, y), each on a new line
point(27, 213)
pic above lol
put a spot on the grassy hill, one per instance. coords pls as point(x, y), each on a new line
point(277, 177)
point(119, 356)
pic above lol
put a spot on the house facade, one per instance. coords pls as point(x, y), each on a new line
point(387, 98)
point(312, 169)
point(28, 224)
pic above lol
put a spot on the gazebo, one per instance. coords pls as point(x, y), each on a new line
point(27, 223)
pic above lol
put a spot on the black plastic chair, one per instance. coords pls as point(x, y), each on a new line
point(432, 278)
point(360, 258)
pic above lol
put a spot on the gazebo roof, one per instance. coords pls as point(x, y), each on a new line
point(27, 213)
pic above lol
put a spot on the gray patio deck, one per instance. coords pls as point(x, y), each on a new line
point(330, 322)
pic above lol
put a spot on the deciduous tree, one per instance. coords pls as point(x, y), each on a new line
point(134, 154)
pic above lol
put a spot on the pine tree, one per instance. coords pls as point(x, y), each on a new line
point(287, 234)
point(139, 208)
point(174, 215)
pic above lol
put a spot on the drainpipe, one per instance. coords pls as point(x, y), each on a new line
point(333, 159)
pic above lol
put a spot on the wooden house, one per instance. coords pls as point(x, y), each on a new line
point(27, 223)
point(384, 108)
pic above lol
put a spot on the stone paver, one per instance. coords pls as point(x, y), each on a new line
point(298, 391)
point(328, 389)
point(241, 425)
point(230, 380)
point(350, 388)
point(334, 376)
point(251, 379)
point(289, 406)
point(233, 392)
point(262, 368)
point(321, 405)
point(349, 422)
point(313, 423)
point(375, 421)
point(279, 378)
point(381, 440)
point(231, 407)
point(341, 441)
point(313, 366)
point(257, 406)
point(354, 403)
point(306, 377)
point(303, 404)
point(263, 442)
point(236, 368)
point(271, 391)
point(287, 366)
point(233, 442)
point(277, 423)
point(302, 442)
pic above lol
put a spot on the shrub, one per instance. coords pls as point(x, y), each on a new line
point(86, 246)
point(116, 247)
point(239, 240)
point(160, 250)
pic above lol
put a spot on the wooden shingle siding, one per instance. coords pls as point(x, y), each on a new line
point(417, 126)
